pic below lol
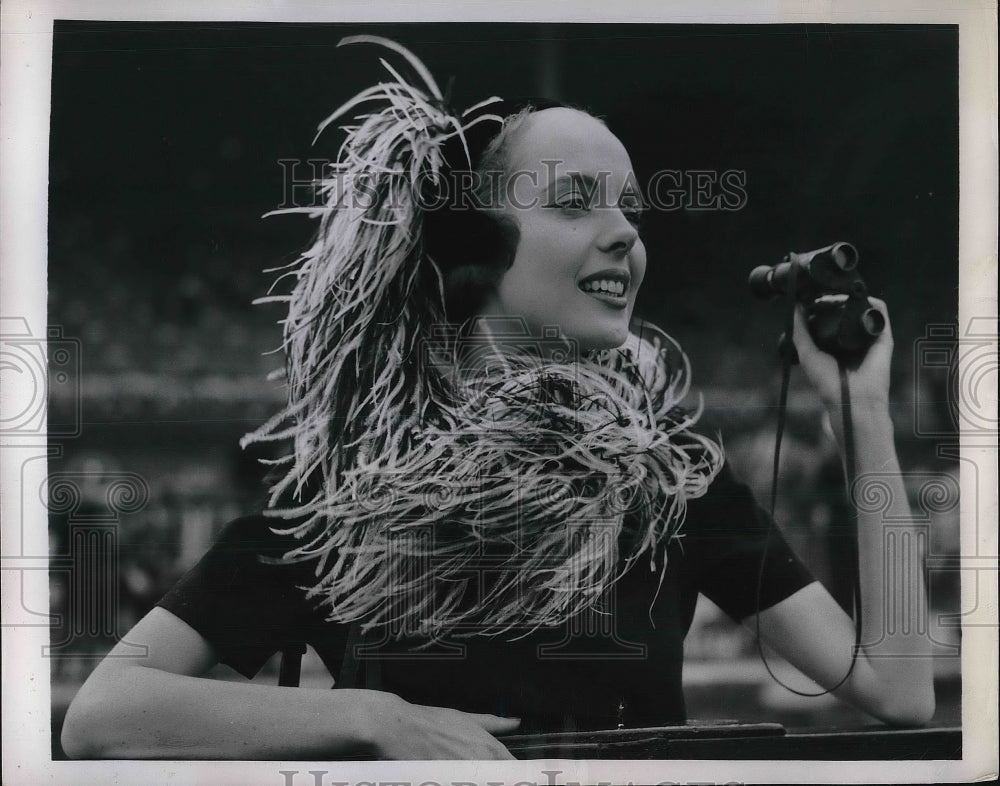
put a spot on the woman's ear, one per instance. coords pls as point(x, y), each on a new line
point(468, 290)
point(473, 249)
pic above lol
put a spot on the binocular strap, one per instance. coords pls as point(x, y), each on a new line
point(788, 359)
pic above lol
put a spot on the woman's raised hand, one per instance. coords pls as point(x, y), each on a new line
point(419, 732)
point(869, 382)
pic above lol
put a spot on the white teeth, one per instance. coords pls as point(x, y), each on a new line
point(604, 285)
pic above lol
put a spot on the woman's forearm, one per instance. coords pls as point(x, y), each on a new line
point(137, 712)
point(891, 552)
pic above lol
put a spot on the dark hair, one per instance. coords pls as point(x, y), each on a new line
point(470, 240)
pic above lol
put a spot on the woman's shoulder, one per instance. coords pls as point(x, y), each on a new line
point(242, 598)
point(257, 537)
point(246, 561)
point(727, 503)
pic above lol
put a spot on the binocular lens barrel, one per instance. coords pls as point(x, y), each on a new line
point(845, 255)
point(767, 281)
point(873, 322)
point(760, 281)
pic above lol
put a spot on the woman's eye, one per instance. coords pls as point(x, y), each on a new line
point(573, 201)
point(633, 214)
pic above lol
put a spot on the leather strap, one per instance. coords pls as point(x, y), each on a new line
point(349, 667)
point(290, 669)
point(789, 358)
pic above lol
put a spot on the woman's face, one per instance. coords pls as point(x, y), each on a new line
point(579, 262)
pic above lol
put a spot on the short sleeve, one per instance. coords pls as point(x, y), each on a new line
point(731, 537)
point(245, 607)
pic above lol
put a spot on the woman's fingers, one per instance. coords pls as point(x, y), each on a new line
point(495, 724)
point(800, 334)
point(883, 309)
point(490, 726)
point(443, 733)
point(869, 380)
point(803, 339)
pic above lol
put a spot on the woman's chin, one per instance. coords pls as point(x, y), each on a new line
point(596, 340)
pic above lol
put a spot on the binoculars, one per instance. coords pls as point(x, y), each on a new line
point(845, 326)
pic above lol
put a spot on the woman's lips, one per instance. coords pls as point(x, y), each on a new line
point(616, 301)
point(610, 286)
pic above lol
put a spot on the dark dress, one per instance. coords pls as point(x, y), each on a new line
point(578, 676)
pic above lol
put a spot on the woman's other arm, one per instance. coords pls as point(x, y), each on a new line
point(161, 706)
point(893, 676)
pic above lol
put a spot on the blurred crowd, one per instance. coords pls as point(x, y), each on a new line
point(174, 371)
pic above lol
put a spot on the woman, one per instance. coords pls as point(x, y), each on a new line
point(495, 528)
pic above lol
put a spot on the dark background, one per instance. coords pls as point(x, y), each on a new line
point(165, 142)
point(166, 137)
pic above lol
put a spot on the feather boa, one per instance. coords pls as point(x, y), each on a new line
point(437, 495)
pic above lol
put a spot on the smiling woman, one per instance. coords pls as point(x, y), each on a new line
point(580, 260)
point(515, 543)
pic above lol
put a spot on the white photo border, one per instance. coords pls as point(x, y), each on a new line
point(24, 96)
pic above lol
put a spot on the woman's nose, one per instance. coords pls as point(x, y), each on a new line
point(620, 234)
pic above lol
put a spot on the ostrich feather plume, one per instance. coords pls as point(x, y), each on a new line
point(443, 481)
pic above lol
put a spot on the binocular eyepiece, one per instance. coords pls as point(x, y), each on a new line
point(826, 282)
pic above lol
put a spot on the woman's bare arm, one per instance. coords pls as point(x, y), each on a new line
point(160, 706)
point(893, 677)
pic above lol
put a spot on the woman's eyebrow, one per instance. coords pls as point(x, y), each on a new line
point(590, 186)
point(587, 183)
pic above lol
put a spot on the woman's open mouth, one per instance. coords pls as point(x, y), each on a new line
point(610, 287)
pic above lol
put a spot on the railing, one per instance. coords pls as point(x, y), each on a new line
point(732, 740)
